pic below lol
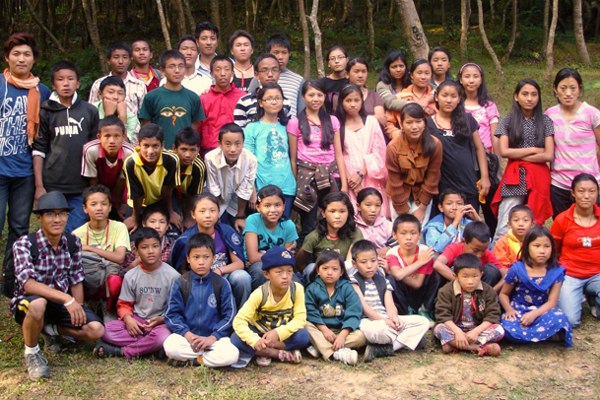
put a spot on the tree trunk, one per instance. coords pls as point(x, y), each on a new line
point(47, 30)
point(513, 32)
point(69, 22)
point(305, 38)
point(550, 47)
point(163, 24)
point(371, 29)
point(318, 48)
point(545, 25)
point(484, 38)
point(215, 14)
point(179, 16)
point(189, 17)
point(444, 19)
point(578, 31)
point(92, 27)
point(345, 11)
point(413, 30)
point(492, 11)
point(228, 17)
point(465, 15)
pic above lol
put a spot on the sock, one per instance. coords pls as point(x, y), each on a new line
point(51, 329)
point(32, 350)
point(397, 345)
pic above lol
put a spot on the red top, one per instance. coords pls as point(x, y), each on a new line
point(394, 259)
point(218, 107)
point(456, 249)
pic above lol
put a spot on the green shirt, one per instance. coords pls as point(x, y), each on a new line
point(313, 245)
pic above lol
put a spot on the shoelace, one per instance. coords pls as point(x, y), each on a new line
point(39, 360)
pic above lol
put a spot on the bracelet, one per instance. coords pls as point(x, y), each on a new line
point(68, 303)
point(360, 174)
point(220, 270)
point(240, 217)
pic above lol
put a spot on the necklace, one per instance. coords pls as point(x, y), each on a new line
point(416, 96)
point(99, 240)
point(242, 72)
point(585, 222)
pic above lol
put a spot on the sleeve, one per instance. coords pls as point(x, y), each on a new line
point(135, 189)
point(128, 287)
point(249, 137)
point(244, 190)
point(312, 306)
point(95, 120)
point(395, 182)
point(252, 223)
point(178, 252)
point(23, 264)
point(122, 237)
point(390, 101)
point(595, 117)
point(375, 159)
point(451, 252)
point(502, 128)
point(391, 123)
point(548, 126)
point(431, 180)
point(489, 258)
point(354, 309)
point(88, 162)
point(212, 181)
point(377, 100)
point(147, 110)
point(94, 91)
point(298, 320)
point(492, 112)
point(511, 276)
point(335, 123)
point(561, 275)
point(240, 113)
point(76, 274)
point(437, 236)
point(292, 127)
point(175, 313)
point(356, 235)
point(391, 257)
point(502, 252)
point(557, 229)
point(223, 327)
point(290, 231)
point(492, 306)
point(171, 163)
point(443, 304)
point(245, 317)
point(41, 143)
point(198, 114)
point(310, 242)
point(132, 126)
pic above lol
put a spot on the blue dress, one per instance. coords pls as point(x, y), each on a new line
point(529, 294)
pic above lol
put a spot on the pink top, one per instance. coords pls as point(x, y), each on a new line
point(485, 117)
point(378, 233)
point(313, 153)
point(574, 144)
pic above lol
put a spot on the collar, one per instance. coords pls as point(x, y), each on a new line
point(570, 213)
point(43, 240)
point(140, 162)
point(102, 153)
point(214, 89)
point(221, 162)
point(458, 290)
point(54, 97)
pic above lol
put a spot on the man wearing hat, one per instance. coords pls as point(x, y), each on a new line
point(49, 285)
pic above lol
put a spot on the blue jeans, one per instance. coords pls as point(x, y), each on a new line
point(241, 286)
point(76, 217)
point(573, 293)
point(308, 269)
point(17, 194)
point(258, 278)
point(289, 204)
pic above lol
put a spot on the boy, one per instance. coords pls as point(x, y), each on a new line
point(476, 240)
point(271, 323)
point(49, 286)
point(118, 57)
point(140, 328)
point(172, 106)
point(207, 39)
point(66, 124)
point(193, 80)
point(448, 227)
point(231, 172)
point(141, 54)
point(105, 244)
point(192, 176)
point(218, 103)
point(507, 248)
point(112, 102)
point(467, 311)
point(385, 331)
point(155, 217)
point(411, 266)
point(200, 327)
point(103, 161)
point(151, 175)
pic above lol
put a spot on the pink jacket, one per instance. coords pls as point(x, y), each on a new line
point(378, 233)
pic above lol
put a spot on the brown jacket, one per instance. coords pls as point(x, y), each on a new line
point(449, 304)
point(411, 173)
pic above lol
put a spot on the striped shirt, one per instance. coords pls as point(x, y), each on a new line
point(145, 181)
point(372, 296)
point(135, 90)
point(291, 83)
point(245, 110)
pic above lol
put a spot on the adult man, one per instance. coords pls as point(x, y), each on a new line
point(207, 38)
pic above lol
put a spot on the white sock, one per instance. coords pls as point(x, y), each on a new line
point(51, 329)
point(32, 350)
point(397, 345)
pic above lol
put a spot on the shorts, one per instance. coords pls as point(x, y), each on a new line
point(56, 313)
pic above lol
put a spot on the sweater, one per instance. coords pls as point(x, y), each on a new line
point(449, 304)
point(342, 310)
point(438, 236)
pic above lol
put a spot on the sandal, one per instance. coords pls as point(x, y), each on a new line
point(289, 356)
point(490, 349)
point(105, 350)
point(263, 361)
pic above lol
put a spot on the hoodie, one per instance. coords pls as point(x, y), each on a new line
point(378, 233)
point(63, 132)
point(342, 310)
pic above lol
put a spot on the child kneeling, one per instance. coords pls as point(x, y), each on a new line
point(467, 311)
point(200, 311)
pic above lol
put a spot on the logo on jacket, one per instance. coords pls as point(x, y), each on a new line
point(74, 127)
point(173, 113)
point(212, 301)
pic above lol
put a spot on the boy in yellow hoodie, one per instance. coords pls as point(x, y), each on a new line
point(520, 221)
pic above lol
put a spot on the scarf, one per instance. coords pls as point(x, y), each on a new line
point(33, 101)
point(146, 78)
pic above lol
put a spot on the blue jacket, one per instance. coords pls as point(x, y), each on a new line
point(230, 237)
point(342, 311)
point(200, 314)
point(438, 236)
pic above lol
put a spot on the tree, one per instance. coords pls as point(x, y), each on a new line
point(550, 47)
point(578, 31)
point(486, 42)
point(371, 29)
point(465, 15)
point(513, 32)
point(413, 30)
point(89, 12)
point(305, 38)
point(179, 16)
point(318, 44)
point(163, 24)
point(45, 28)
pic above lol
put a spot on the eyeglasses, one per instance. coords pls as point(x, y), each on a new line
point(273, 70)
point(273, 100)
point(56, 214)
point(338, 58)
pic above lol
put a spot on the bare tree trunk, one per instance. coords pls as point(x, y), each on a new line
point(444, 19)
point(228, 16)
point(215, 14)
point(550, 47)
point(305, 38)
point(47, 30)
point(492, 11)
point(413, 30)
point(391, 11)
point(345, 11)
point(545, 25)
point(513, 33)
point(270, 15)
point(92, 27)
point(163, 24)
point(189, 17)
point(484, 38)
point(318, 48)
point(465, 15)
point(578, 31)
point(69, 22)
point(371, 29)
point(180, 16)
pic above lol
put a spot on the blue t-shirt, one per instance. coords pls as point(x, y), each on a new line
point(15, 153)
point(269, 143)
point(284, 232)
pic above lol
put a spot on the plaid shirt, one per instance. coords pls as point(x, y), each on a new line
point(54, 268)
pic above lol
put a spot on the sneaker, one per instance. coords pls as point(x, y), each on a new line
point(373, 351)
point(594, 311)
point(490, 349)
point(290, 356)
point(346, 355)
point(263, 361)
point(181, 364)
point(104, 350)
point(312, 350)
point(37, 366)
point(52, 343)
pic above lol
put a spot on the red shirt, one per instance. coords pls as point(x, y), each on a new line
point(218, 107)
point(580, 247)
point(394, 259)
point(456, 249)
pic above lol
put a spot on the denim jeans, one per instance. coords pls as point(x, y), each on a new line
point(17, 195)
point(76, 217)
point(573, 293)
point(241, 286)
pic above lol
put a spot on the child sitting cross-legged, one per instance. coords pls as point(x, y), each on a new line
point(200, 312)
point(385, 331)
point(271, 323)
point(507, 248)
point(467, 311)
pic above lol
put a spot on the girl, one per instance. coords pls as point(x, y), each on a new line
point(316, 154)
point(393, 79)
point(363, 144)
point(267, 228)
point(530, 293)
point(229, 251)
point(358, 73)
point(370, 220)
point(439, 58)
point(336, 230)
point(464, 153)
point(576, 135)
point(333, 311)
point(413, 162)
point(267, 139)
point(241, 46)
point(526, 140)
point(337, 58)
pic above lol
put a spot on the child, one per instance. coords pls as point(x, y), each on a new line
point(333, 310)
point(231, 172)
point(523, 133)
point(530, 294)
point(193, 79)
point(439, 58)
point(335, 230)
point(271, 323)
point(267, 228)
point(267, 139)
point(103, 160)
point(476, 240)
point(448, 227)
point(200, 328)
point(141, 55)
point(112, 103)
point(66, 124)
point(140, 328)
point(507, 248)
point(104, 244)
point(385, 331)
point(151, 174)
point(363, 145)
point(316, 155)
point(467, 311)
point(229, 257)
point(411, 266)
point(370, 221)
point(172, 106)
point(337, 59)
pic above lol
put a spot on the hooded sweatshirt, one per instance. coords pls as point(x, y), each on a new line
point(342, 310)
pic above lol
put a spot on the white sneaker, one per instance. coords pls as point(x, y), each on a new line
point(594, 311)
point(312, 350)
point(346, 355)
